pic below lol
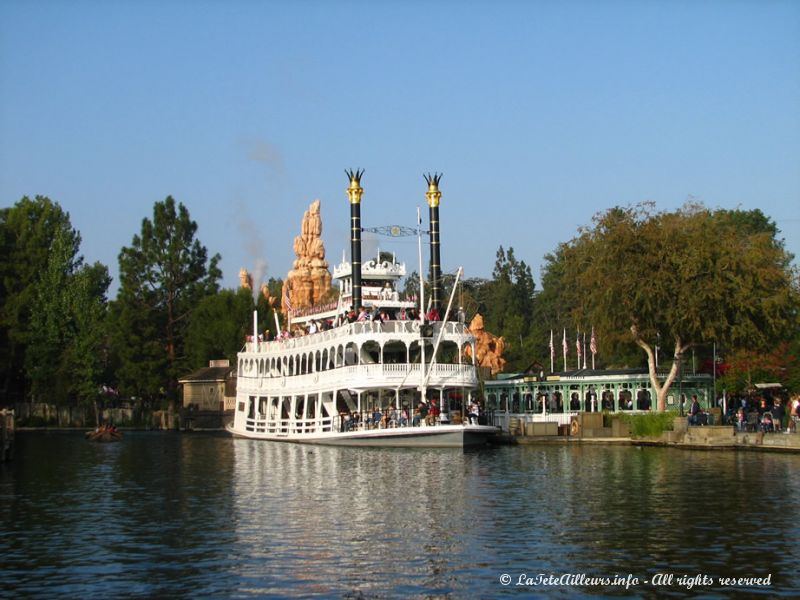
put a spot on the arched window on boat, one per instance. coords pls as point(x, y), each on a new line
point(491, 401)
point(515, 403)
point(394, 352)
point(303, 364)
point(448, 353)
point(504, 402)
point(351, 354)
point(317, 361)
point(415, 351)
point(370, 353)
point(467, 356)
point(339, 362)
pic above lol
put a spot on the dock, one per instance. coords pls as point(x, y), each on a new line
point(590, 430)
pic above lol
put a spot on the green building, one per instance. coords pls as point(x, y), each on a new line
point(558, 395)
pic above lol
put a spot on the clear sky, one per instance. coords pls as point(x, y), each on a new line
point(539, 114)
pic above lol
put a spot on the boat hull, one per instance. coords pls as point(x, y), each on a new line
point(440, 436)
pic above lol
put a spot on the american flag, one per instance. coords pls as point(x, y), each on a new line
point(593, 343)
point(552, 348)
point(578, 345)
point(564, 344)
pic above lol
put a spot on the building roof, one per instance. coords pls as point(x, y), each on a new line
point(207, 374)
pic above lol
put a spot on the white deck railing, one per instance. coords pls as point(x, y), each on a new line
point(363, 376)
point(372, 329)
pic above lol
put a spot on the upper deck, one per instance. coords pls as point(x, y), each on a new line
point(361, 332)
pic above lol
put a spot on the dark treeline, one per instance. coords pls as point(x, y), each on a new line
point(682, 280)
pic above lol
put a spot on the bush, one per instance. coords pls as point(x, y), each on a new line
point(651, 424)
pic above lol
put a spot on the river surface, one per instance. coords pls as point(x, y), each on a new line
point(204, 516)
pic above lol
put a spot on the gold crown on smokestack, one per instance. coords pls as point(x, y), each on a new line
point(433, 194)
point(355, 191)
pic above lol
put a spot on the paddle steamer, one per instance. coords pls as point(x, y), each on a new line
point(387, 375)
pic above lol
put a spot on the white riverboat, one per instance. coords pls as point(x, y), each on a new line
point(388, 381)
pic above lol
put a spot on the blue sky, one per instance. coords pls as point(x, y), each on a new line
point(539, 114)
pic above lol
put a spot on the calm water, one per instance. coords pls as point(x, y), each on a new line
point(198, 516)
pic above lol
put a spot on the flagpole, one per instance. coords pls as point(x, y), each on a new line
point(552, 352)
point(584, 349)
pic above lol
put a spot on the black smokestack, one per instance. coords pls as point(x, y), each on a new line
point(354, 193)
point(433, 195)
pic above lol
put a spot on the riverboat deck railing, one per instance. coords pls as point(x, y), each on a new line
point(351, 422)
point(364, 375)
point(349, 330)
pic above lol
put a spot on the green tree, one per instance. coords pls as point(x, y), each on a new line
point(27, 232)
point(692, 276)
point(220, 323)
point(164, 274)
point(508, 301)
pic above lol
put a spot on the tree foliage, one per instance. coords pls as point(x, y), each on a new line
point(164, 274)
point(689, 276)
point(221, 321)
point(53, 305)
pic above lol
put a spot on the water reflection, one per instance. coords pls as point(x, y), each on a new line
point(204, 516)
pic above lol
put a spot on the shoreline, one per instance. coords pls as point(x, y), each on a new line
point(693, 438)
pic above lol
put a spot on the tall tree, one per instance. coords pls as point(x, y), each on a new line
point(27, 232)
point(164, 274)
point(508, 300)
point(691, 276)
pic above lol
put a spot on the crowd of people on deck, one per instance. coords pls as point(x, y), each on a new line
point(425, 413)
point(377, 314)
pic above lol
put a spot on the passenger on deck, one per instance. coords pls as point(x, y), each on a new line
point(362, 314)
point(432, 414)
point(433, 314)
point(377, 417)
point(404, 417)
point(474, 412)
point(416, 418)
point(423, 412)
